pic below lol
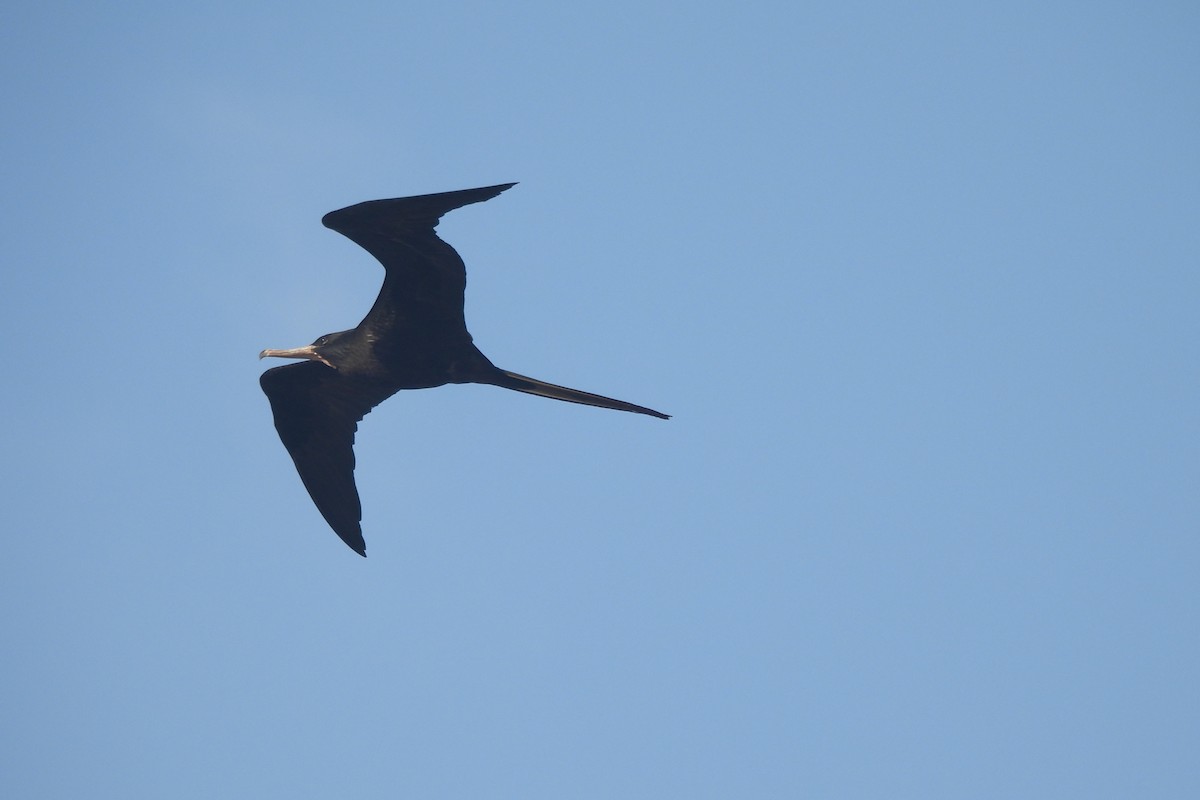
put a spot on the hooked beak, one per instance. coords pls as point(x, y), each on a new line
point(309, 351)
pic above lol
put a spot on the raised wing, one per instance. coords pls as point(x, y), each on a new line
point(316, 414)
point(426, 278)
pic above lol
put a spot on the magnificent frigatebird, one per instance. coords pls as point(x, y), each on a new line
point(414, 337)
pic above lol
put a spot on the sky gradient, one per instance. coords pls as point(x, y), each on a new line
point(917, 281)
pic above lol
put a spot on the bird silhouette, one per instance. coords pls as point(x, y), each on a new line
point(414, 337)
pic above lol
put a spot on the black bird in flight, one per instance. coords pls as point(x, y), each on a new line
point(414, 337)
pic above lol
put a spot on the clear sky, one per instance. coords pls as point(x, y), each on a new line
point(919, 282)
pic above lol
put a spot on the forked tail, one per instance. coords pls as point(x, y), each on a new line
point(511, 380)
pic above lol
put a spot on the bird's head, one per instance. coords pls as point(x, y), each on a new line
point(325, 349)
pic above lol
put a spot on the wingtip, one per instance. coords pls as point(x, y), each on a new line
point(352, 538)
point(428, 208)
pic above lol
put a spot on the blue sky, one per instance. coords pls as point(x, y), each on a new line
point(918, 282)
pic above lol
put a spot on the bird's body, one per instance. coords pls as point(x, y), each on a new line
point(414, 337)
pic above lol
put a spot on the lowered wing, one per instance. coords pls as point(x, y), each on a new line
point(316, 414)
